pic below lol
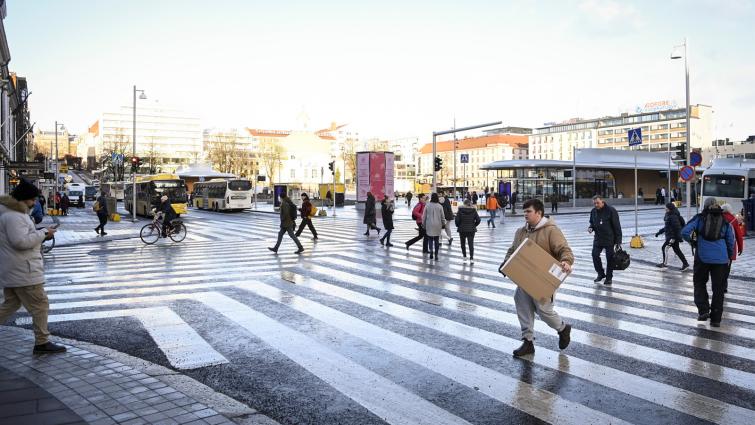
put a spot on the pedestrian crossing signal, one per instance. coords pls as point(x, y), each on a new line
point(332, 166)
point(438, 163)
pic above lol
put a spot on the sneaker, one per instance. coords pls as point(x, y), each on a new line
point(97, 230)
point(471, 261)
point(684, 267)
point(299, 251)
point(103, 233)
point(273, 249)
point(608, 282)
point(526, 348)
point(564, 337)
point(382, 242)
point(389, 244)
point(49, 348)
point(715, 324)
point(661, 265)
point(703, 317)
point(599, 278)
point(367, 233)
point(450, 240)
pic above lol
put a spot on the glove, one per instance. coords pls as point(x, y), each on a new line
point(657, 234)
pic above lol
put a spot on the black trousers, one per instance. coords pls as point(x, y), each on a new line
point(421, 235)
point(467, 238)
point(598, 263)
point(290, 231)
point(677, 251)
point(103, 222)
point(307, 222)
point(717, 274)
point(726, 277)
point(554, 207)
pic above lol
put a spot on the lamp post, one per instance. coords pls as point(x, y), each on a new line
point(57, 164)
point(675, 55)
point(453, 131)
point(133, 152)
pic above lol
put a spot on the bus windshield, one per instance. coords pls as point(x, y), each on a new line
point(173, 188)
point(239, 185)
point(724, 186)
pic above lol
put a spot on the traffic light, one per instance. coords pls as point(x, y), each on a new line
point(332, 167)
point(438, 163)
point(135, 163)
point(683, 153)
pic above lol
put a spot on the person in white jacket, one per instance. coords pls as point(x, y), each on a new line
point(21, 265)
point(434, 220)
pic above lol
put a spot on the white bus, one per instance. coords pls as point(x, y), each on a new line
point(222, 195)
point(75, 191)
point(729, 180)
point(113, 189)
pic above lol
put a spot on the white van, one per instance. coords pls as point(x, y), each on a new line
point(729, 180)
point(76, 191)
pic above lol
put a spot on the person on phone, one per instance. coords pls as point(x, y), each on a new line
point(21, 267)
point(544, 232)
point(604, 222)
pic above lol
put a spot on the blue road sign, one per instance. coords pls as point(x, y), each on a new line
point(635, 136)
point(686, 173)
point(464, 158)
point(695, 159)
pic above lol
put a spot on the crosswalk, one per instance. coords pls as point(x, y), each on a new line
point(353, 332)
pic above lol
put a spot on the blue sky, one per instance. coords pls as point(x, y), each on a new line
point(390, 68)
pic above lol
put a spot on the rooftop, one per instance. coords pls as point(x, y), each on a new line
point(477, 143)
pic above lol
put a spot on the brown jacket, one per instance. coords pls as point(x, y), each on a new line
point(548, 236)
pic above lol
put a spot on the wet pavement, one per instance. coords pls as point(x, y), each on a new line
point(353, 332)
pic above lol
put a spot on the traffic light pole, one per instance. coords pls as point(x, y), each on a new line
point(133, 170)
point(453, 131)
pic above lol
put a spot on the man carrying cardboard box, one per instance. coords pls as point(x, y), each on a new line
point(544, 232)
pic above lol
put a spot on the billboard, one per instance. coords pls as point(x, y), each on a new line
point(374, 174)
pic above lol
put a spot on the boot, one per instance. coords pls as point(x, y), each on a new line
point(685, 266)
point(703, 317)
point(526, 348)
point(661, 265)
point(564, 337)
point(275, 250)
point(49, 348)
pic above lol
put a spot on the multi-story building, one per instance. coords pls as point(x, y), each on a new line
point(405, 155)
point(729, 149)
point(662, 129)
point(165, 136)
point(479, 151)
point(232, 151)
point(45, 143)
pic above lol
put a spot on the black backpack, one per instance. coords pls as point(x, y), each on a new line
point(713, 223)
point(292, 212)
point(682, 223)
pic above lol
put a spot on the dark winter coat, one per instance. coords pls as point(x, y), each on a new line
point(672, 225)
point(65, 202)
point(386, 211)
point(102, 202)
point(467, 219)
point(448, 213)
point(286, 210)
point(369, 211)
point(605, 223)
point(306, 209)
point(168, 212)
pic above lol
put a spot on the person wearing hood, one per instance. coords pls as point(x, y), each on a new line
point(448, 213)
point(433, 219)
point(729, 216)
point(544, 232)
point(21, 264)
point(370, 215)
point(715, 247)
point(386, 212)
point(467, 221)
point(672, 228)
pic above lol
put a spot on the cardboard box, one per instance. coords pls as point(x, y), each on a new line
point(534, 270)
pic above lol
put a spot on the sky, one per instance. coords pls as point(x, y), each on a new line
point(388, 68)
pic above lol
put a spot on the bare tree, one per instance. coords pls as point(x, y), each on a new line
point(221, 152)
point(152, 157)
point(114, 149)
point(350, 157)
point(271, 156)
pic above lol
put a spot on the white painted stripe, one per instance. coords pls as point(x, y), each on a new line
point(387, 400)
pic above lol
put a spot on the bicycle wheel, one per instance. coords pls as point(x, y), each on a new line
point(178, 233)
point(48, 245)
point(149, 234)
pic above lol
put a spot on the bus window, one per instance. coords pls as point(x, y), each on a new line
point(724, 186)
point(751, 188)
point(240, 185)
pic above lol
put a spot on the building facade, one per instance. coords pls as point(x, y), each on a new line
point(232, 151)
point(729, 149)
point(479, 151)
point(661, 130)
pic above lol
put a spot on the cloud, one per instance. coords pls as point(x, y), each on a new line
point(606, 14)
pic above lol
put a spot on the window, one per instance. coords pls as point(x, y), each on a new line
point(293, 173)
point(724, 186)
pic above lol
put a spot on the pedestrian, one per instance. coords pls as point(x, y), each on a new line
point(715, 247)
point(554, 204)
point(467, 221)
point(42, 203)
point(36, 212)
point(663, 196)
point(448, 213)
point(21, 264)
point(492, 206)
point(65, 203)
point(739, 234)
point(329, 198)
point(386, 213)
point(57, 200)
point(433, 219)
point(409, 199)
point(475, 198)
point(417, 215)
point(288, 223)
point(640, 194)
point(604, 222)
point(370, 215)
point(658, 196)
point(306, 216)
point(514, 199)
point(502, 200)
point(81, 201)
point(672, 228)
point(100, 208)
point(544, 232)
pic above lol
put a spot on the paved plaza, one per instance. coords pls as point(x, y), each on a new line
point(351, 332)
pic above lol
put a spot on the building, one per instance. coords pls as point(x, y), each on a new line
point(232, 151)
point(729, 149)
point(479, 150)
point(166, 138)
point(44, 143)
point(663, 127)
point(405, 156)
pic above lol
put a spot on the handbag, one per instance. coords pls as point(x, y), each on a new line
point(96, 207)
point(621, 259)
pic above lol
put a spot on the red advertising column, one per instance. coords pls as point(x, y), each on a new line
point(374, 174)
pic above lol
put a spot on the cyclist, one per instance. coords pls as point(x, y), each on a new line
point(168, 214)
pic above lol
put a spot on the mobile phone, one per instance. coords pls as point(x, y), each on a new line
point(55, 226)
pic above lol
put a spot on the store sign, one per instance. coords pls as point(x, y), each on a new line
point(660, 105)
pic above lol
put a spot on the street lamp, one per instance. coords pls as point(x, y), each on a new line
point(675, 55)
point(57, 164)
point(133, 171)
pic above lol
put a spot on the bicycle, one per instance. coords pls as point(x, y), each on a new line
point(151, 232)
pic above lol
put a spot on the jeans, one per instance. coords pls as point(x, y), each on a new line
point(492, 217)
point(387, 236)
point(433, 244)
point(526, 307)
point(415, 239)
point(598, 264)
point(677, 251)
point(717, 273)
point(307, 222)
point(467, 238)
point(34, 300)
point(103, 222)
point(290, 231)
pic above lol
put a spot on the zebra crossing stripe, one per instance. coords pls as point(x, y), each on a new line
point(659, 393)
point(525, 397)
point(387, 400)
point(181, 344)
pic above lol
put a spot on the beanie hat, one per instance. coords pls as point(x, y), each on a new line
point(709, 202)
point(25, 191)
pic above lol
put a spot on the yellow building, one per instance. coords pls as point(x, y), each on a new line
point(44, 143)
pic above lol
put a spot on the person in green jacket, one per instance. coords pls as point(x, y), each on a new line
point(288, 215)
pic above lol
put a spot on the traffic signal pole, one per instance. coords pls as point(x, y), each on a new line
point(453, 131)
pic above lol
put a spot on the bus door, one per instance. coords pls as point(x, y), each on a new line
point(205, 197)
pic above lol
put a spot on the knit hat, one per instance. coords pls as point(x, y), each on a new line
point(671, 206)
point(709, 202)
point(25, 191)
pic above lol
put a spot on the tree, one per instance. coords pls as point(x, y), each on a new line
point(229, 153)
point(117, 144)
point(350, 157)
point(152, 157)
point(271, 155)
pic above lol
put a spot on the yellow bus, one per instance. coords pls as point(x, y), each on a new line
point(149, 190)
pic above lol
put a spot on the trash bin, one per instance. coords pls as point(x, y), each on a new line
point(749, 210)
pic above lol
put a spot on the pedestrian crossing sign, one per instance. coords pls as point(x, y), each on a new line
point(635, 136)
